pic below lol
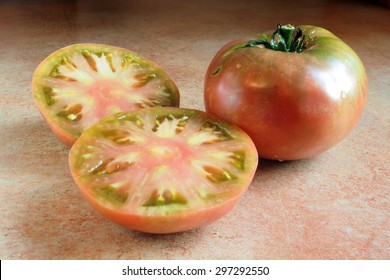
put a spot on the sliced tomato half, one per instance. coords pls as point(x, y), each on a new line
point(163, 170)
point(80, 84)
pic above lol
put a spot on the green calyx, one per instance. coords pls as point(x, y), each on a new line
point(286, 38)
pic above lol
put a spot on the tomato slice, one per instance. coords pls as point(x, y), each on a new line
point(163, 170)
point(80, 84)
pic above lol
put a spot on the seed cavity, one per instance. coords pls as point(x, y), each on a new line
point(156, 103)
point(110, 194)
point(68, 63)
point(209, 133)
point(109, 57)
point(86, 156)
point(71, 113)
point(49, 95)
point(109, 166)
point(143, 79)
point(116, 135)
point(164, 94)
point(72, 117)
point(55, 72)
point(181, 124)
point(169, 88)
point(126, 61)
point(238, 159)
point(135, 119)
point(166, 197)
point(90, 60)
point(217, 175)
point(117, 166)
point(100, 166)
point(169, 125)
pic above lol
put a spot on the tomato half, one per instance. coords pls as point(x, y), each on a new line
point(163, 170)
point(296, 91)
point(78, 85)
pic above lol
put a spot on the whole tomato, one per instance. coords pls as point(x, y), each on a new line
point(296, 91)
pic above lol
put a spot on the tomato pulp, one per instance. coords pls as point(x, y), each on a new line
point(296, 95)
point(163, 170)
point(78, 85)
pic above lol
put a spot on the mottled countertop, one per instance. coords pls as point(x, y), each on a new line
point(333, 206)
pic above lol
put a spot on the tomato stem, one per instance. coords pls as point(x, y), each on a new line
point(282, 39)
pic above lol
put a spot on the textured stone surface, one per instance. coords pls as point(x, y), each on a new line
point(334, 206)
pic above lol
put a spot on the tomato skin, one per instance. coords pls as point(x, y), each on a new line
point(292, 105)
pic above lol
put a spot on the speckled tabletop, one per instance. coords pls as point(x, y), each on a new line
point(333, 206)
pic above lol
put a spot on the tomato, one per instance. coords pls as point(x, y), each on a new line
point(78, 85)
point(163, 170)
point(296, 92)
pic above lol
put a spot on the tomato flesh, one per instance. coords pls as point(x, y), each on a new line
point(80, 84)
point(163, 170)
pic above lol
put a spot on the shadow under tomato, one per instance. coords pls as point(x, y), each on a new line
point(271, 173)
point(266, 164)
point(268, 167)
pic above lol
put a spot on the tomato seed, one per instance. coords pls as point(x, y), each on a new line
point(143, 79)
point(99, 168)
point(116, 166)
point(217, 175)
point(90, 60)
point(68, 63)
point(109, 57)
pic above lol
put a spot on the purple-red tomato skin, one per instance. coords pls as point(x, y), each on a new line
point(292, 105)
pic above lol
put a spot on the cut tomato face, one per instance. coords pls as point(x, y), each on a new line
point(80, 84)
point(163, 170)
